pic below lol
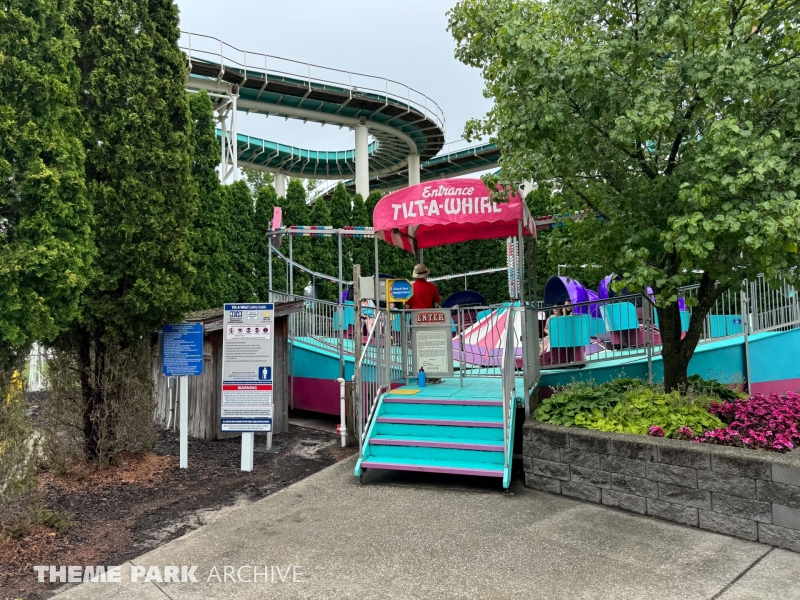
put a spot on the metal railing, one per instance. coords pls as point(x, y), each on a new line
point(509, 368)
point(213, 50)
point(772, 308)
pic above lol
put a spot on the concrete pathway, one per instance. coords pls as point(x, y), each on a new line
point(410, 536)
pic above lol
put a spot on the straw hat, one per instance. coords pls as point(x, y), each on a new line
point(420, 271)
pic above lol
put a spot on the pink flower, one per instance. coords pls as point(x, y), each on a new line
point(656, 431)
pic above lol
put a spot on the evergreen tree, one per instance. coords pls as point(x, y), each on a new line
point(266, 200)
point(342, 216)
point(241, 242)
point(362, 247)
point(139, 181)
point(212, 259)
point(295, 212)
point(324, 251)
point(45, 217)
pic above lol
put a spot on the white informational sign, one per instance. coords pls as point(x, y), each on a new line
point(432, 342)
point(248, 349)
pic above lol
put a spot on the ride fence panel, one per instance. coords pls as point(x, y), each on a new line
point(480, 338)
point(597, 330)
point(764, 306)
point(316, 324)
point(772, 307)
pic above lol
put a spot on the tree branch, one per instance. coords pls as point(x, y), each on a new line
point(676, 143)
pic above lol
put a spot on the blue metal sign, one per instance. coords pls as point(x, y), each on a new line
point(400, 290)
point(182, 349)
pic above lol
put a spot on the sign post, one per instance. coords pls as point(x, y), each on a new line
point(182, 356)
point(247, 361)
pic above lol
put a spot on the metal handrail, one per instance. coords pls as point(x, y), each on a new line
point(425, 106)
point(509, 387)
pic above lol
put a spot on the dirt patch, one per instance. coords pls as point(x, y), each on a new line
point(125, 510)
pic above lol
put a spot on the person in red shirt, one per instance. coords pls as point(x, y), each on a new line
point(426, 294)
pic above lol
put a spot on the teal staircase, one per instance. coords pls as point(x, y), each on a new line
point(442, 429)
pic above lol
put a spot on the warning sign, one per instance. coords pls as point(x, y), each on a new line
point(247, 357)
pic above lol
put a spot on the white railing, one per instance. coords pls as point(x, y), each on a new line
point(213, 50)
point(509, 388)
point(369, 375)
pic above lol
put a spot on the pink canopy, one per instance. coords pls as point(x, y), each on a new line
point(448, 211)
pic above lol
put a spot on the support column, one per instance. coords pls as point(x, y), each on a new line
point(234, 147)
point(280, 185)
point(413, 169)
point(362, 160)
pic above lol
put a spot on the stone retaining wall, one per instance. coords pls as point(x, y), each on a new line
point(744, 493)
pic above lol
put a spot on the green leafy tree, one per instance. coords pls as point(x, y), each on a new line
point(295, 212)
point(138, 173)
point(212, 259)
point(257, 180)
point(241, 242)
point(675, 122)
point(324, 251)
point(45, 217)
point(266, 201)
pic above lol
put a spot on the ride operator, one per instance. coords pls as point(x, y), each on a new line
point(425, 294)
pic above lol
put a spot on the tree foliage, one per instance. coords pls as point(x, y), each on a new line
point(212, 259)
point(266, 201)
point(295, 212)
point(257, 180)
point(45, 217)
point(137, 166)
point(675, 121)
point(241, 242)
point(138, 173)
point(324, 251)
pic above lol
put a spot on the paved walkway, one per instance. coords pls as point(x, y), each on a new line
point(402, 535)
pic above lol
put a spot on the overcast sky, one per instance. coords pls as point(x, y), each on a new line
point(403, 40)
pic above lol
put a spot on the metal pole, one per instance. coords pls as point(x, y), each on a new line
point(746, 328)
point(340, 306)
point(377, 277)
point(184, 416)
point(291, 266)
point(520, 265)
point(234, 150)
point(648, 325)
point(357, 339)
point(269, 259)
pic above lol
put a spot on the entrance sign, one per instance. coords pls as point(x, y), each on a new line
point(247, 365)
point(399, 290)
point(432, 342)
point(182, 349)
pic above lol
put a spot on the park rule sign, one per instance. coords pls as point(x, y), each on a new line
point(247, 360)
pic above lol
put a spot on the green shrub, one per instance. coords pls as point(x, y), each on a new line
point(628, 406)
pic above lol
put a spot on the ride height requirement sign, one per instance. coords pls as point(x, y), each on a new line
point(247, 361)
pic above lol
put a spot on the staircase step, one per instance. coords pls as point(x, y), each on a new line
point(457, 401)
point(445, 433)
point(443, 422)
point(459, 412)
point(452, 443)
point(455, 468)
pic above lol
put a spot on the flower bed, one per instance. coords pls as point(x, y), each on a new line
point(760, 422)
point(708, 413)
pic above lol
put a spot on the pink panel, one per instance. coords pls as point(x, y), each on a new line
point(775, 387)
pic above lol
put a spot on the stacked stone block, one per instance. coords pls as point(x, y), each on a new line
point(744, 493)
